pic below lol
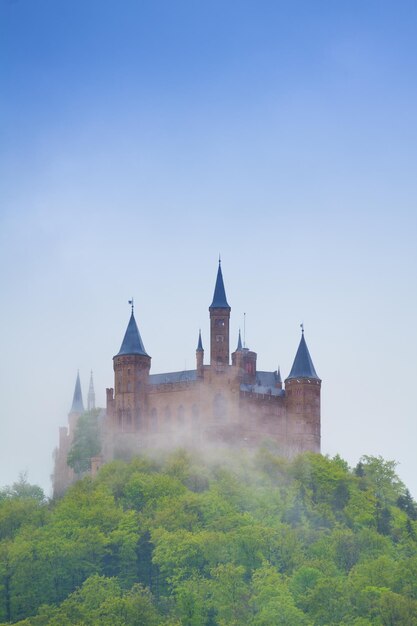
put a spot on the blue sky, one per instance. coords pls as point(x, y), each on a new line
point(140, 139)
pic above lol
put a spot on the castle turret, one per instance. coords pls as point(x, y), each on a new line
point(91, 398)
point(302, 388)
point(219, 323)
point(245, 360)
point(200, 357)
point(237, 354)
point(63, 475)
point(131, 375)
point(278, 379)
point(237, 359)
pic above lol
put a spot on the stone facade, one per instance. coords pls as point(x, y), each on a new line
point(221, 402)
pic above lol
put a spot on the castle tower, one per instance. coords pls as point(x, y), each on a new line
point(77, 407)
point(131, 375)
point(63, 475)
point(91, 398)
point(302, 389)
point(219, 323)
point(199, 354)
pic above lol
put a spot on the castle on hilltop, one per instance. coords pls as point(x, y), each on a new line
point(219, 402)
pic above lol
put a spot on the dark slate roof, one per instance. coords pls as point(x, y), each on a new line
point(303, 365)
point(77, 400)
point(219, 297)
point(265, 384)
point(200, 343)
point(239, 343)
point(173, 377)
point(132, 342)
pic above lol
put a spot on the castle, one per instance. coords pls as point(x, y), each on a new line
point(232, 403)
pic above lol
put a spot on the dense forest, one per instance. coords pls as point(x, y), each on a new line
point(250, 539)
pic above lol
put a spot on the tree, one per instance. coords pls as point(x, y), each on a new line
point(86, 444)
point(272, 601)
point(22, 490)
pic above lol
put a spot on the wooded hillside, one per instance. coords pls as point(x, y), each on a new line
point(248, 540)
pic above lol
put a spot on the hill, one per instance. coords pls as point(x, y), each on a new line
point(178, 540)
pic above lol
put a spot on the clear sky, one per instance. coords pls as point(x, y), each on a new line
point(138, 140)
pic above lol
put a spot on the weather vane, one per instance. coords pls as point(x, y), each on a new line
point(132, 304)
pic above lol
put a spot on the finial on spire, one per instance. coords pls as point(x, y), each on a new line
point(302, 327)
point(219, 296)
point(220, 259)
point(132, 341)
point(132, 303)
point(303, 365)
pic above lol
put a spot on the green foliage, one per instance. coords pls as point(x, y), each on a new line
point(176, 541)
point(86, 442)
point(22, 490)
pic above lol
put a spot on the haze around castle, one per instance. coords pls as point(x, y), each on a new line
point(137, 145)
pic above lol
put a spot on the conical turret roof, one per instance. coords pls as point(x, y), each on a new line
point(239, 343)
point(219, 297)
point(132, 342)
point(200, 343)
point(303, 365)
point(77, 400)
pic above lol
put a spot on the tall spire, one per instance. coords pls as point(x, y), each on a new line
point(303, 365)
point(132, 342)
point(239, 342)
point(219, 297)
point(200, 343)
point(77, 400)
point(91, 398)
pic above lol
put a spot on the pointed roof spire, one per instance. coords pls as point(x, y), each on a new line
point(278, 376)
point(132, 342)
point(200, 343)
point(219, 297)
point(77, 400)
point(91, 398)
point(239, 343)
point(303, 365)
